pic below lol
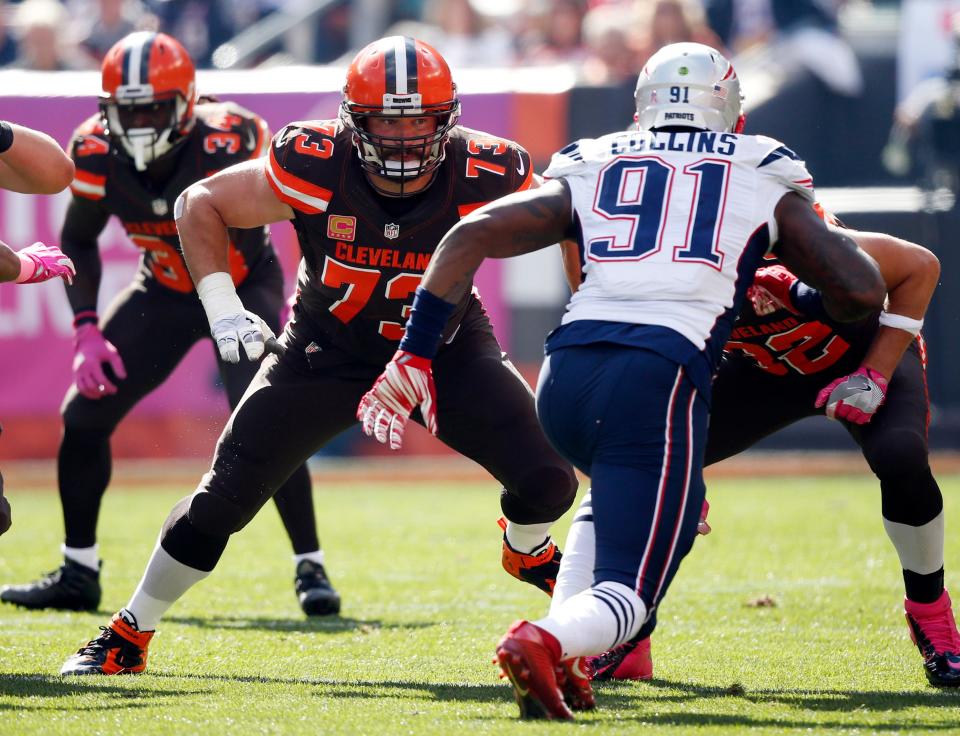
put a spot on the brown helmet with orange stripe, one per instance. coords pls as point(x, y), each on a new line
point(149, 91)
point(399, 76)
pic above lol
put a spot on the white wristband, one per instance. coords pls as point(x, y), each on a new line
point(218, 295)
point(899, 322)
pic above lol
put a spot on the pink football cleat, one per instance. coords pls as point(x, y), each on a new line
point(529, 657)
point(934, 631)
point(630, 661)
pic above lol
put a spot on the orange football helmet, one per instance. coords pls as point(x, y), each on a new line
point(149, 91)
point(399, 76)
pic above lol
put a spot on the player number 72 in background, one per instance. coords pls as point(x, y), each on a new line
point(361, 285)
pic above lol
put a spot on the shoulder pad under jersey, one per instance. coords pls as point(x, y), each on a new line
point(300, 162)
point(502, 164)
point(775, 160)
point(577, 157)
point(230, 133)
point(90, 148)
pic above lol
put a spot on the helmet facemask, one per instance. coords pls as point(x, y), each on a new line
point(387, 156)
point(146, 126)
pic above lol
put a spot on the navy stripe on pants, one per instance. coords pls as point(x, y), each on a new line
point(633, 421)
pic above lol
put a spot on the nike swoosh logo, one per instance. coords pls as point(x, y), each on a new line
point(953, 663)
point(522, 167)
point(251, 140)
point(521, 691)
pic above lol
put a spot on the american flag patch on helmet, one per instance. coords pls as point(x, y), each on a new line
point(719, 91)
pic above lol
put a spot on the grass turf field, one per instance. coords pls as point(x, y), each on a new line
point(425, 601)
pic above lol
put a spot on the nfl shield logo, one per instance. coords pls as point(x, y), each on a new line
point(160, 207)
point(391, 231)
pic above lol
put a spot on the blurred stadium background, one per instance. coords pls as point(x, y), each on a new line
point(866, 92)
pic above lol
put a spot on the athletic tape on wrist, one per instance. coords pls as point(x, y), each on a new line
point(901, 322)
point(218, 296)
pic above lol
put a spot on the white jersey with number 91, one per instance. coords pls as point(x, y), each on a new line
point(672, 224)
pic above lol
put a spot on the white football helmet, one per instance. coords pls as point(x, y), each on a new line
point(689, 85)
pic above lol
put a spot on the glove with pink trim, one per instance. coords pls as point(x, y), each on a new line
point(39, 262)
point(406, 382)
point(855, 398)
point(91, 351)
point(771, 290)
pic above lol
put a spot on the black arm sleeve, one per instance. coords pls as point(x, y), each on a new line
point(82, 226)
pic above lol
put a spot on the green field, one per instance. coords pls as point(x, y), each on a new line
point(425, 601)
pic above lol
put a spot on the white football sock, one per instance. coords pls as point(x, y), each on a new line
point(595, 620)
point(527, 538)
point(920, 548)
point(316, 557)
point(579, 555)
point(164, 582)
point(86, 556)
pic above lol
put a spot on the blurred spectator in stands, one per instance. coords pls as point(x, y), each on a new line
point(461, 33)
point(200, 25)
point(8, 43)
point(663, 22)
point(553, 33)
point(803, 34)
point(611, 38)
point(925, 139)
point(44, 35)
point(101, 26)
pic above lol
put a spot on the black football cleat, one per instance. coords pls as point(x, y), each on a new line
point(934, 631)
point(120, 649)
point(316, 595)
point(72, 587)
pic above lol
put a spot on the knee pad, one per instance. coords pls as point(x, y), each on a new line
point(83, 415)
point(213, 513)
point(544, 494)
point(897, 453)
point(187, 544)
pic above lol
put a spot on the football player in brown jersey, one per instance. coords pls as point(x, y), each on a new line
point(31, 162)
point(150, 141)
point(370, 195)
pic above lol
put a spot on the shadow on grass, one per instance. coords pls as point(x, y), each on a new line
point(50, 688)
point(629, 703)
point(327, 624)
point(376, 689)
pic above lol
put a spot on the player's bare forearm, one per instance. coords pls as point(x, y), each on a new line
point(911, 273)
point(9, 263)
point(848, 279)
point(519, 223)
point(235, 197)
point(34, 164)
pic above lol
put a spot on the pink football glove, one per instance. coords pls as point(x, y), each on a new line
point(92, 350)
point(702, 526)
point(771, 290)
point(406, 382)
point(39, 262)
point(855, 398)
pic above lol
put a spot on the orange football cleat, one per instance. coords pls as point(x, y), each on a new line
point(120, 649)
point(539, 569)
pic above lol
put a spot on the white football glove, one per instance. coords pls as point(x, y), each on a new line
point(240, 328)
point(230, 324)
